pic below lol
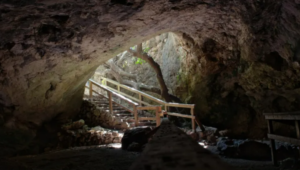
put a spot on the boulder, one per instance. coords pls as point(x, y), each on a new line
point(254, 150)
point(134, 147)
point(136, 135)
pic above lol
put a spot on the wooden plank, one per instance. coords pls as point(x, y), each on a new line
point(283, 113)
point(191, 106)
point(91, 90)
point(282, 117)
point(273, 154)
point(181, 115)
point(193, 121)
point(136, 116)
point(147, 107)
point(158, 111)
point(110, 103)
point(140, 98)
point(284, 139)
point(146, 118)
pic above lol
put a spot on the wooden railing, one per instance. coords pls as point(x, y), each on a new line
point(288, 116)
point(135, 106)
point(140, 97)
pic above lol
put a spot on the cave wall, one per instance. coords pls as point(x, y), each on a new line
point(49, 49)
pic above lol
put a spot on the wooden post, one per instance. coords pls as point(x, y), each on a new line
point(158, 111)
point(273, 154)
point(110, 103)
point(297, 130)
point(91, 90)
point(135, 116)
point(118, 87)
point(140, 98)
point(193, 120)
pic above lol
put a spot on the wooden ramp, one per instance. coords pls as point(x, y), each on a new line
point(172, 149)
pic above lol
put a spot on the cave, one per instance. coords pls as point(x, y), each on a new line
point(236, 60)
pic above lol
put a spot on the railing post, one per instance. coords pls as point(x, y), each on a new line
point(193, 120)
point(297, 130)
point(118, 87)
point(158, 111)
point(90, 90)
point(140, 98)
point(136, 121)
point(273, 150)
point(110, 103)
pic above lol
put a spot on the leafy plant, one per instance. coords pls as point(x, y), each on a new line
point(146, 49)
point(140, 61)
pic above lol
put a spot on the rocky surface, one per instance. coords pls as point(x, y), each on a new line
point(135, 139)
point(242, 58)
point(255, 150)
point(95, 116)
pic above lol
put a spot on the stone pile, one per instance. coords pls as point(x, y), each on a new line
point(79, 134)
point(95, 116)
point(254, 150)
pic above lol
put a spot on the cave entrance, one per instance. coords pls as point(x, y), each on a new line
point(137, 69)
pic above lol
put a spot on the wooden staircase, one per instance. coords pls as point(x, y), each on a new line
point(133, 106)
point(122, 114)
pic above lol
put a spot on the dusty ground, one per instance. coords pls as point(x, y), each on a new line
point(100, 158)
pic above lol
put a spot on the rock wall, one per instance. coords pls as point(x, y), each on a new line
point(49, 49)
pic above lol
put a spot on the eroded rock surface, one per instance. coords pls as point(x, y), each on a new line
point(239, 52)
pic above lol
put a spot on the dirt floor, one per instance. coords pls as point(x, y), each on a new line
point(101, 158)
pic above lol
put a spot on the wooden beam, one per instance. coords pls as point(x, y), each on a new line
point(146, 118)
point(141, 99)
point(272, 141)
point(193, 120)
point(110, 103)
point(157, 113)
point(283, 116)
point(284, 139)
point(181, 115)
point(136, 120)
point(191, 106)
point(91, 90)
point(146, 107)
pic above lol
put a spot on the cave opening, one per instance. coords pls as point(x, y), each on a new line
point(225, 63)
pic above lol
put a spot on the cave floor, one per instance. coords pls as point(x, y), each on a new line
point(104, 158)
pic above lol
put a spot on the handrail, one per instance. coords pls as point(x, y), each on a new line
point(154, 99)
point(114, 93)
point(135, 91)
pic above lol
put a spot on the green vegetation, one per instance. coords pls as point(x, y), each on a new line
point(146, 50)
point(140, 61)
